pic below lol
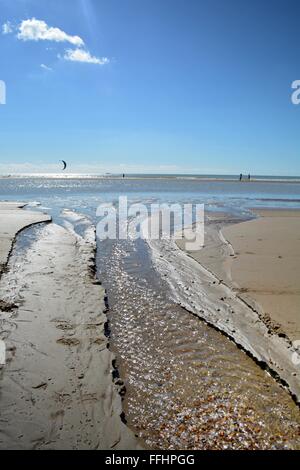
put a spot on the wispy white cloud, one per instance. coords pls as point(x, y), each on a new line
point(45, 67)
point(7, 28)
point(38, 30)
point(81, 55)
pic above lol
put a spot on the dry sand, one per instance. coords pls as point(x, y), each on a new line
point(57, 389)
point(260, 260)
point(266, 266)
point(216, 253)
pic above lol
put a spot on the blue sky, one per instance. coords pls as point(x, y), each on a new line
point(167, 86)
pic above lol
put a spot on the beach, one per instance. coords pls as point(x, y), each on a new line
point(58, 389)
point(105, 332)
point(149, 229)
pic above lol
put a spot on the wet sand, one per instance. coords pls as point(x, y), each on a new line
point(13, 219)
point(56, 388)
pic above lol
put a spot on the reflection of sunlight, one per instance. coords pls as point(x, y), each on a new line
point(87, 13)
point(2, 92)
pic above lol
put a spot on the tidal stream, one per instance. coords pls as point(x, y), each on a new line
point(188, 386)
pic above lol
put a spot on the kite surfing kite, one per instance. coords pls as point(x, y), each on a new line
point(64, 164)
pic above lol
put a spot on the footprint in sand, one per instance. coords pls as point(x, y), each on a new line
point(68, 341)
point(65, 326)
point(42, 385)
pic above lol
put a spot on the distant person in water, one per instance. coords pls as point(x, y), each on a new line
point(241, 177)
point(249, 177)
point(123, 175)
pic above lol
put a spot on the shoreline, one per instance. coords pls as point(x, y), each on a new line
point(58, 358)
point(134, 177)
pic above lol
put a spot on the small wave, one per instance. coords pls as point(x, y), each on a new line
point(74, 221)
point(75, 217)
point(33, 204)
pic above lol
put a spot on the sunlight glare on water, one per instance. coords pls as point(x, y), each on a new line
point(188, 386)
